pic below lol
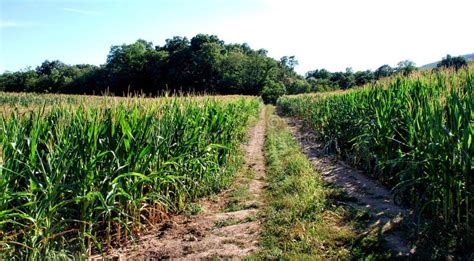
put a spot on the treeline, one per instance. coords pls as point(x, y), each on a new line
point(323, 80)
point(204, 63)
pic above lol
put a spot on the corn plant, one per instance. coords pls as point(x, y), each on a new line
point(76, 178)
point(412, 133)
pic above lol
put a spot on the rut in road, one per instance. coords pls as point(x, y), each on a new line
point(229, 225)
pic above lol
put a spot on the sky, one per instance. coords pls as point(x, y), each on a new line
point(331, 34)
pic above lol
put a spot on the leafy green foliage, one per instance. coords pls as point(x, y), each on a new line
point(272, 91)
point(323, 80)
point(384, 71)
point(298, 86)
point(406, 67)
point(203, 64)
point(453, 62)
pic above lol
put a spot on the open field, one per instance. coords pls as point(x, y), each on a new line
point(172, 177)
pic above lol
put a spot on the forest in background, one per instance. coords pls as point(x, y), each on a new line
point(203, 64)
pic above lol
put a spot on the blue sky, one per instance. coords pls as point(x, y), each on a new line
point(322, 34)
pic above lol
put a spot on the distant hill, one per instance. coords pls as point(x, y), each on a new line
point(433, 65)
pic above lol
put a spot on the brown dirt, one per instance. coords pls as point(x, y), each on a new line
point(363, 193)
point(213, 233)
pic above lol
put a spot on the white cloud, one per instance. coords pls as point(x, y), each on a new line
point(81, 11)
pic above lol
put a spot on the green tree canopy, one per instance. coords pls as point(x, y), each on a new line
point(406, 67)
point(384, 71)
point(453, 62)
point(203, 64)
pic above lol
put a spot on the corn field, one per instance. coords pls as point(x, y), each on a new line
point(415, 134)
point(80, 175)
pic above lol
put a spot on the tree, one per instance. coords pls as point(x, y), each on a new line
point(155, 72)
point(258, 70)
point(22, 81)
point(321, 85)
point(383, 71)
point(174, 44)
point(363, 77)
point(232, 70)
point(298, 86)
point(344, 80)
point(83, 79)
point(53, 76)
point(126, 66)
point(453, 62)
point(289, 62)
point(205, 63)
point(319, 74)
point(324, 80)
point(272, 91)
point(47, 67)
point(201, 39)
point(405, 67)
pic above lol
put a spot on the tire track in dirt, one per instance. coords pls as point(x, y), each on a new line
point(218, 231)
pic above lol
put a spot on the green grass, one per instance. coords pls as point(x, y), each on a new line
point(239, 193)
point(77, 179)
point(230, 221)
point(302, 222)
point(193, 209)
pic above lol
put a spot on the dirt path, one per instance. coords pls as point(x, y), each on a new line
point(228, 227)
point(363, 193)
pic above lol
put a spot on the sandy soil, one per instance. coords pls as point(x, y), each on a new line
point(214, 233)
point(363, 192)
